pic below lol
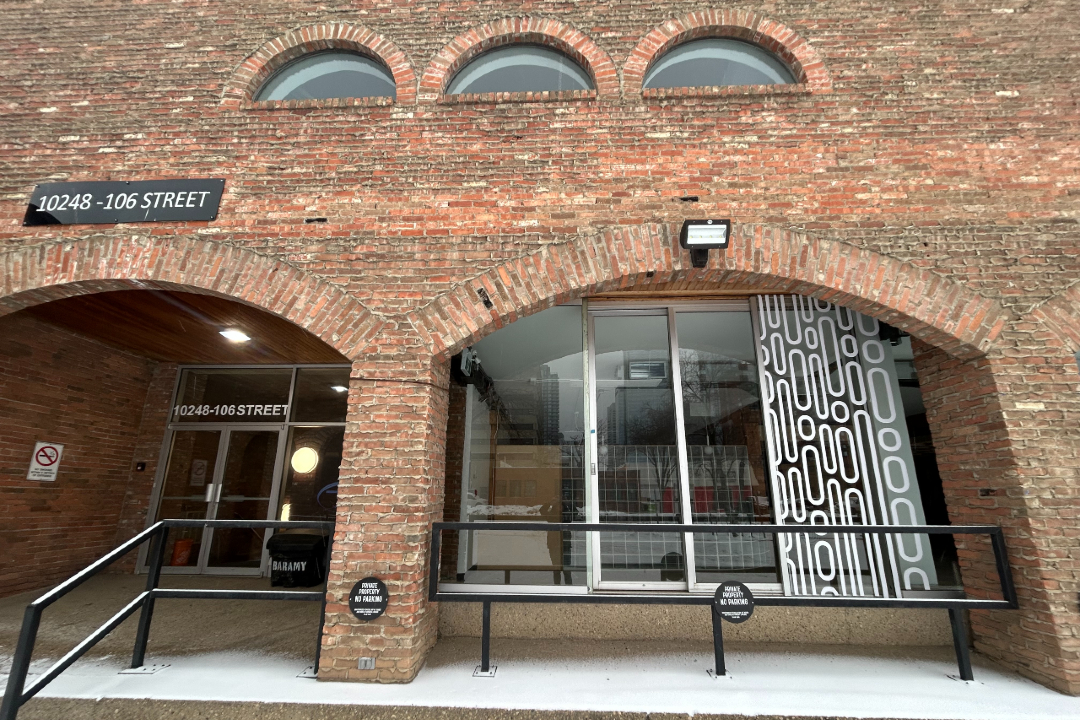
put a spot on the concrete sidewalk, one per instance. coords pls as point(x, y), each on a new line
point(241, 659)
point(556, 677)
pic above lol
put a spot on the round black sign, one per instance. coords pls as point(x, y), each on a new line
point(368, 598)
point(734, 602)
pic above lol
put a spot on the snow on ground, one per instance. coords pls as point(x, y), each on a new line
point(760, 682)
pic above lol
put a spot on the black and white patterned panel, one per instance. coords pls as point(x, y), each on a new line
point(839, 452)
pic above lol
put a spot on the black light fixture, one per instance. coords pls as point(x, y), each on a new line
point(700, 236)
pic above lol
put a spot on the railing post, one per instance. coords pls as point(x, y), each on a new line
point(20, 663)
point(157, 558)
point(718, 641)
point(325, 589)
point(960, 643)
point(1001, 559)
point(485, 640)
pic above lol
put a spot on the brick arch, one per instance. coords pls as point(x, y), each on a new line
point(54, 271)
point(934, 309)
point(274, 54)
point(746, 25)
point(535, 30)
point(1061, 314)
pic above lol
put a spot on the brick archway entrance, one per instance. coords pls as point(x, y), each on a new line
point(50, 272)
point(961, 342)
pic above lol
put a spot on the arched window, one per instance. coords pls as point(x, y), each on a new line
point(717, 62)
point(520, 68)
point(333, 74)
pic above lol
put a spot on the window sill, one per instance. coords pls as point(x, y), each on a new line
point(725, 91)
point(316, 104)
point(517, 97)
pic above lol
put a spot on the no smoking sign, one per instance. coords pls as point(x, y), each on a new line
point(45, 461)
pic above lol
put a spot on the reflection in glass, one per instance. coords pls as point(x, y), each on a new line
point(330, 75)
point(192, 461)
point(637, 456)
point(310, 491)
point(523, 434)
point(233, 395)
point(725, 444)
point(244, 495)
point(321, 394)
point(717, 62)
point(520, 68)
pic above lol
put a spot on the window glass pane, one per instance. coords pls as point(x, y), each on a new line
point(637, 457)
point(233, 395)
point(520, 68)
point(244, 494)
point(330, 75)
point(717, 62)
point(523, 454)
point(311, 473)
point(725, 444)
point(191, 467)
point(321, 395)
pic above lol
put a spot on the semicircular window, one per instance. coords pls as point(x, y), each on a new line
point(717, 62)
point(329, 75)
point(520, 68)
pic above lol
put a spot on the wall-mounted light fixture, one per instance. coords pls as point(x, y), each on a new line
point(700, 236)
point(304, 460)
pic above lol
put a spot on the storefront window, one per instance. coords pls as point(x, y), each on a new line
point(321, 394)
point(777, 409)
point(523, 453)
point(232, 395)
point(725, 444)
point(311, 475)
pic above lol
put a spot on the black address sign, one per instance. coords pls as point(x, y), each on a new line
point(91, 203)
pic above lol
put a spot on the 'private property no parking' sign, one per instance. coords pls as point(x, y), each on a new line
point(45, 461)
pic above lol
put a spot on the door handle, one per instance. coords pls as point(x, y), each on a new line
point(217, 497)
point(210, 492)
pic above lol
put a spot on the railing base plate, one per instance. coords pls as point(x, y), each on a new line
point(480, 673)
point(144, 669)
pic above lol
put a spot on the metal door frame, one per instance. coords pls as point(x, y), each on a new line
point(166, 447)
point(668, 308)
point(226, 430)
point(271, 505)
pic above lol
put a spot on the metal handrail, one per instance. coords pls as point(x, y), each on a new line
point(955, 606)
point(17, 694)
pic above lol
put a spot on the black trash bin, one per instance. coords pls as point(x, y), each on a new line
point(297, 559)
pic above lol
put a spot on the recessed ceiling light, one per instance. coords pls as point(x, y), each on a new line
point(235, 336)
point(339, 388)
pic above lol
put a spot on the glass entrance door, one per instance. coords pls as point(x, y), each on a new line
point(678, 439)
point(225, 473)
point(636, 449)
point(243, 492)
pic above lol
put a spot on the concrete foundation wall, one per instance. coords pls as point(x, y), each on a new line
point(823, 626)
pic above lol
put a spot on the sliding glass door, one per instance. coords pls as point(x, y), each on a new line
point(678, 439)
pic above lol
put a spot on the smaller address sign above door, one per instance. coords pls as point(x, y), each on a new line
point(91, 203)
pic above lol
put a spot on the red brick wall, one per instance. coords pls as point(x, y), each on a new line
point(925, 172)
point(58, 386)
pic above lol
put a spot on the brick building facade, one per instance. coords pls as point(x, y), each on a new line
point(922, 170)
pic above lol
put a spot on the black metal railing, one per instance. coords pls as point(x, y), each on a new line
point(955, 605)
point(17, 694)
